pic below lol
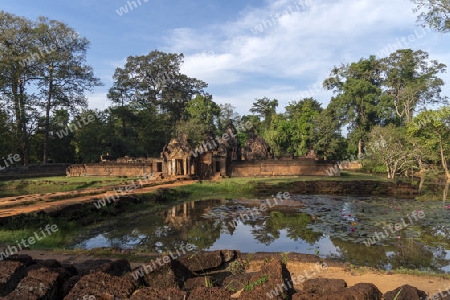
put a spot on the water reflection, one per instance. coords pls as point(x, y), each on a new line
point(329, 226)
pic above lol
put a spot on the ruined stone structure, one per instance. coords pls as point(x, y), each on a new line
point(216, 156)
point(256, 148)
point(177, 157)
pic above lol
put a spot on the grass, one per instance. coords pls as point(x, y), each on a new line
point(48, 241)
point(230, 188)
point(404, 271)
point(44, 185)
point(360, 270)
point(259, 281)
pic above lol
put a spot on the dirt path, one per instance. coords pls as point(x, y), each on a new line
point(384, 282)
point(11, 206)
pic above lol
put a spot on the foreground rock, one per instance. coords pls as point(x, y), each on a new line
point(206, 275)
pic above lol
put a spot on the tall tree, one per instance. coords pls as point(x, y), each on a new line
point(203, 113)
point(16, 38)
point(155, 80)
point(434, 13)
point(411, 81)
point(264, 108)
point(390, 146)
point(227, 113)
point(41, 67)
point(63, 75)
point(326, 136)
point(433, 129)
point(358, 88)
point(301, 115)
point(278, 135)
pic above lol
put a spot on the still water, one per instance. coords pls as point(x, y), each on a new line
point(380, 232)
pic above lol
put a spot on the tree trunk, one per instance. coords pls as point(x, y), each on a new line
point(17, 90)
point(422, 180)
point(47, 119)
point(444, 161)
point(360, 146)
point(445, 193)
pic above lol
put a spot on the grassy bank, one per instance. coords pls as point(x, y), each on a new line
point(44, 185)
point(245, 187)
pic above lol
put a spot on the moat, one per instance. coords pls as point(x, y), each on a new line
point(381, 232)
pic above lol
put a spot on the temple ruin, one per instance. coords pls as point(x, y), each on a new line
point(214, 157)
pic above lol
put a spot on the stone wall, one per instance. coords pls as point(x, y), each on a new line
point(33, 170)
point(111, 169)
point(294, 167)
point(331, 187)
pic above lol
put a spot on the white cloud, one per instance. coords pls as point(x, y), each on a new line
point(299, 44)
point(296, 50)
point(98, 101)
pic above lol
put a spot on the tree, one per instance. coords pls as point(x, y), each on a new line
point(301, 115)
point(227, 113)
point(93, 139)
point(264, 108)
point(411, 81)
point(7, 144)
point(278, 134)
point(358, 89)
point(434, 13)
point(326, 136)
point(433, 129)
point(390, 146)
point(16, 39)
point(203, 113)
point(63, 75)
point(41, 67)
point(155, 80)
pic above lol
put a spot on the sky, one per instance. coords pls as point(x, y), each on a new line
point(244, 50)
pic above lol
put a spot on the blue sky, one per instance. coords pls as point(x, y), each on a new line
point(244, 50)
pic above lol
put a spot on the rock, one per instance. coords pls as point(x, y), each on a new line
point(23, 258)
point(10, 276)
point(169, 275)
point(211, 293)
point(200, 262)
point(363, 291)
point(273, 281)
point(405, 292)
point(100, 285)
point(323, 286)
point(235, 283)
point(149, 293)
point(201, 281)
point(115, 268)
point(40, 283)
point(336, 289)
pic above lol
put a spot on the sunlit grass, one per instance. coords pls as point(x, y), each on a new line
point(51, 240)
point(228, 188)
point(44, 185)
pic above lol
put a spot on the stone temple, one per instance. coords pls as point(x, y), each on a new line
point(214, 157)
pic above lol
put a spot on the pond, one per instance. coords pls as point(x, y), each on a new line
point(374, 231)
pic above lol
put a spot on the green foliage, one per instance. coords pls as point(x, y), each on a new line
point(391, 146)
point(259, 281)
point(202, 116)
point(326, 137)
point(358, 89)
point(432, 128)
point(434, 14)
point(208, 282)
point(411, 80)
point(284, 258)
